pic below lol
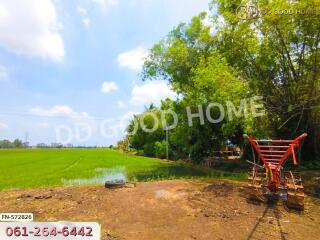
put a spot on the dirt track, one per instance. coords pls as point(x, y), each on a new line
point(168, 210)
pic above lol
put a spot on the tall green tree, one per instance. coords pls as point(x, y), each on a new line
point(279, 55)
point(273, 55)
point(189, 60)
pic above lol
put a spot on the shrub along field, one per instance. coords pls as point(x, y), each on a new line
point(29, 168)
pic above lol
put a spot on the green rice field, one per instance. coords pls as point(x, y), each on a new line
point(30, 168)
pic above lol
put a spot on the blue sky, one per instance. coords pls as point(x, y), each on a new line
point(69, 70)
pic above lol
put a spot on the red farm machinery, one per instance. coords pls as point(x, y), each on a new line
point(268, 179)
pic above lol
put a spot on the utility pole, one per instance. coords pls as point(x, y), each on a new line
point(167, 142)
point(26, 143)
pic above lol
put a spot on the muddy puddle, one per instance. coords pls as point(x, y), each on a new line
point(102, 175)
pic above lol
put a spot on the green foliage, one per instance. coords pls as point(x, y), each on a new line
point(160, 149)
point(279, 56)
point(143, 140)
point(187, 59)
point(17, 143)
point(175, 57)
point(274, 55)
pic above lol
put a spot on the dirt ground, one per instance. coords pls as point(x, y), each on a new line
point(178, 209)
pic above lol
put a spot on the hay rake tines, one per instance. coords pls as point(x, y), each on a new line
point(272, 155)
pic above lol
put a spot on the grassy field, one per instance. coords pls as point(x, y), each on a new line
point(24, 168)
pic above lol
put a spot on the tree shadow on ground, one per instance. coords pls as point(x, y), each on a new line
point(183, 171)
point(270, 209)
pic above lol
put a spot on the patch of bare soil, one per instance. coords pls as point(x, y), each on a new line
point(178, 209)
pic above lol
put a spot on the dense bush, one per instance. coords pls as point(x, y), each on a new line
point(273, 56)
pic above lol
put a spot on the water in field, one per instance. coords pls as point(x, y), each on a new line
point(103, 175)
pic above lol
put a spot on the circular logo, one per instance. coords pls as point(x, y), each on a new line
point(247, 12)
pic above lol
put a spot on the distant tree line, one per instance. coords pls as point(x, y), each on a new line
point(17, 143)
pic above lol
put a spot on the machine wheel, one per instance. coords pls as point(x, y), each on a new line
point(295, 191)
point(255, 184)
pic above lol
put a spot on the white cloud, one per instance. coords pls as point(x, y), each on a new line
point(116, 127)
point(207, 21)
point(86, 22)
point(124, 120)
point(84, 15)
point(3, 126)
point(43, 125)
point(58, 111)
point(30, 27)
point(121, 104)
point(151, 92)
point(105, 4)
point(212, 23)
point(4, 73)
point(109, 87)
point(82, 10)
point(133, 59)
